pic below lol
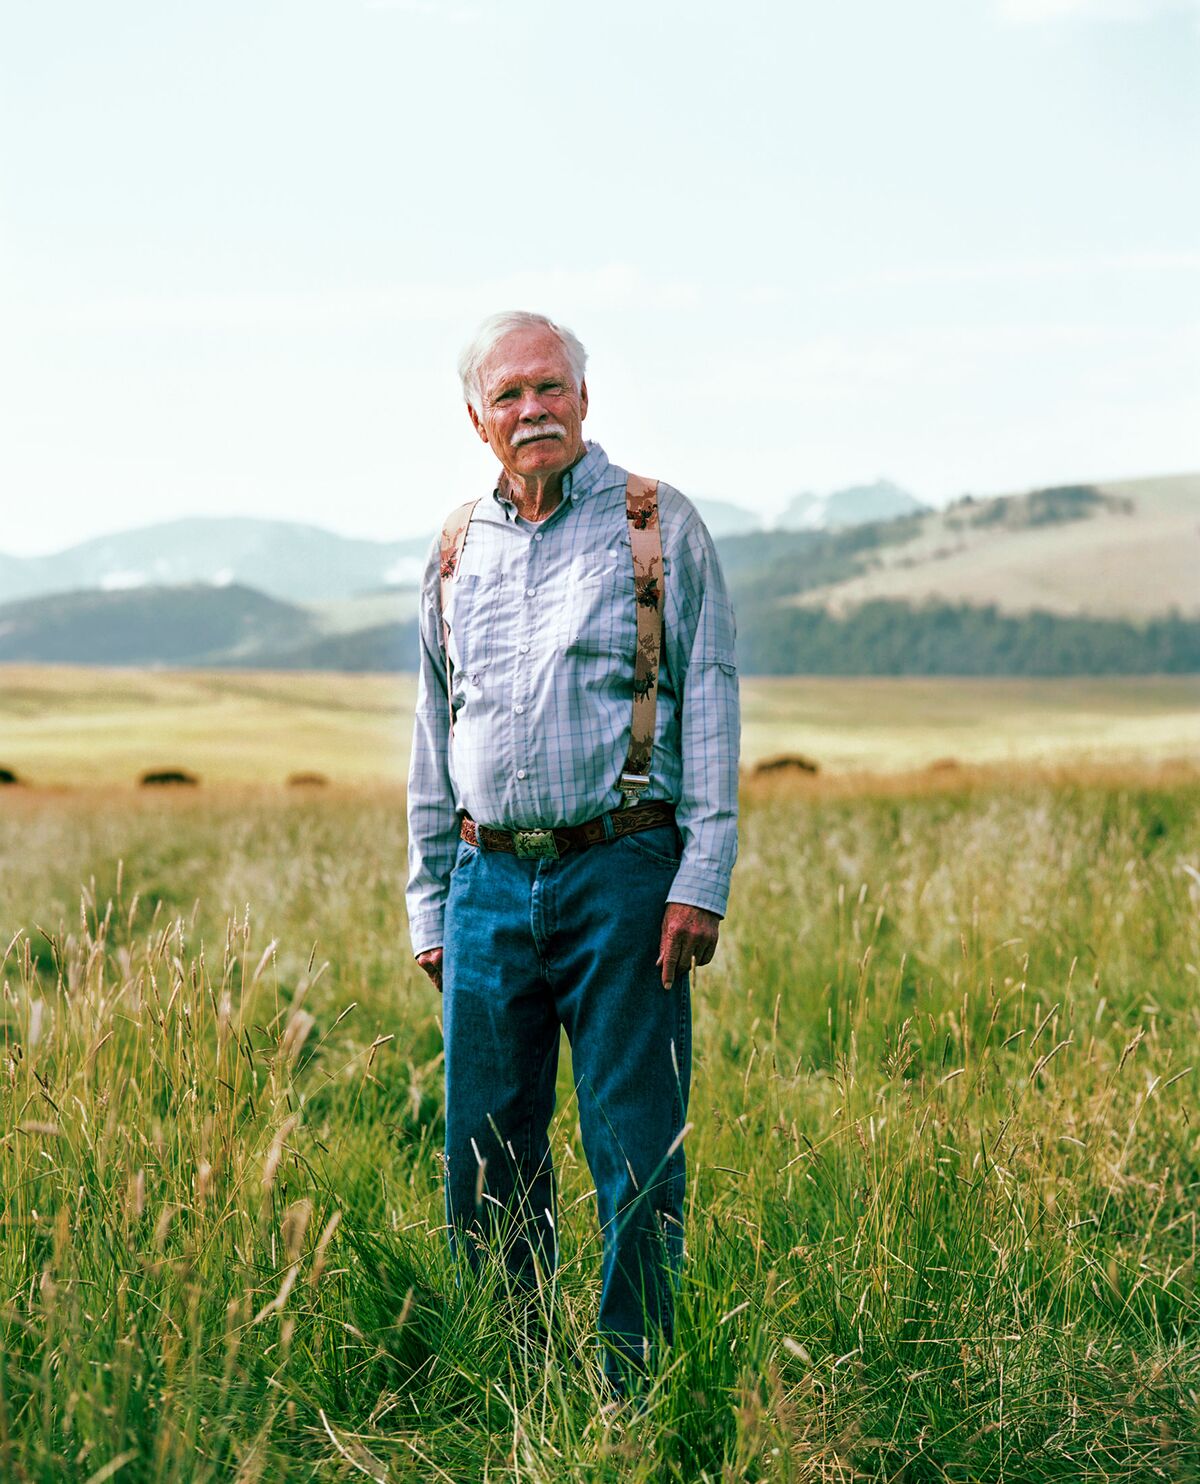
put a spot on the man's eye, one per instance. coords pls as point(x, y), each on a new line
point(504, 396)
point(550, 386)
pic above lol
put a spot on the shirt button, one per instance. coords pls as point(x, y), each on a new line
point(524, 648)
point(530, 591)
point(520, 772)
point(519, 710)
point(537, 535)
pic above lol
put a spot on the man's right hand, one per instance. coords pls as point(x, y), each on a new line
point(431, 962)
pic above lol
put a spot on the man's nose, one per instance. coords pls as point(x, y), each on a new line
point(530, 408)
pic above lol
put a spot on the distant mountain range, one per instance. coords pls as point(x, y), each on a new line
point(300, 563)
point(1071, 580)
point(725, 519)
point(304, 563)
point(855, 506)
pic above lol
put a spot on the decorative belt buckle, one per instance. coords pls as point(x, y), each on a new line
point(535, 844)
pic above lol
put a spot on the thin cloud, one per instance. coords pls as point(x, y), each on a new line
point(1041, 12)
point(611, 287)
point(441, 10)
point(843, 369)
point(1017, 269)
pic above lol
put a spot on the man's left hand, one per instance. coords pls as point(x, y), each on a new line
point(689, 936)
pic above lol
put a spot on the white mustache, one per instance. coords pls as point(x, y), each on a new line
point(543, 430)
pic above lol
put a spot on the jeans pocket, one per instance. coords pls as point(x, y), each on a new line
point(662, 845)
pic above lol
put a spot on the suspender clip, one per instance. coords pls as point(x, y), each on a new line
point(633, 785)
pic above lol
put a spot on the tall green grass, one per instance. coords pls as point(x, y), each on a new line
point(943, 1169)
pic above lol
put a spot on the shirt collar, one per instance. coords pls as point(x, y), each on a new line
point(587, 475)
point(584, 476)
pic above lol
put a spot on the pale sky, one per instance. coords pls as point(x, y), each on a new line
point(954, 242)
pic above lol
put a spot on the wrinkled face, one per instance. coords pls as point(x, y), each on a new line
point(532, 412)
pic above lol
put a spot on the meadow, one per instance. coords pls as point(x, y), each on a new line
point(63, 725)
point(944, 1174)
point(944, 1154)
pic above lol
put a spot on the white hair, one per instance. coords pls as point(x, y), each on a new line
point(494, 329)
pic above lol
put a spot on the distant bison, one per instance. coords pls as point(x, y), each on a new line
point(168, 775)
point(788, 762)
point(945, 765)
point(307, 780)
point(8, 776)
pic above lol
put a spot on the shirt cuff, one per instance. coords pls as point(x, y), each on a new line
point(695, 887)
point(427, 930)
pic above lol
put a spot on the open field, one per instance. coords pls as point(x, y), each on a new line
point(63, 725)
point(943, 1171)
point(885, 725)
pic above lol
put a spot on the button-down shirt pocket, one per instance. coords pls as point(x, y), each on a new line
point(599, 615)
point(471, 618)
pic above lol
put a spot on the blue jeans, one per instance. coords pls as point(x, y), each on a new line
point(532, 945)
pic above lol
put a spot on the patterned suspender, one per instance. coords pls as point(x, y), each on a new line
point(454, 538)
point(645, 539)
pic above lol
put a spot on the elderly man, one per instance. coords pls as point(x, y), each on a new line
point(573, 824)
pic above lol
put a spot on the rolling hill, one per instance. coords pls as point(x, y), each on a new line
point(1128, 549)
point(1070, 580)
point(193, 625)
point(201, 625)
point(1073, 580)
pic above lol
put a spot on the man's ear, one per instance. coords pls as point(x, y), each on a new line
point(582, 400)
point(477, 422)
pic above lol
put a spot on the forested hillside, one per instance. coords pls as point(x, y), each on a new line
point(891, 638)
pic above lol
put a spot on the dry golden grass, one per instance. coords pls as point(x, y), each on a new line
point(64, 725)
point(949, 776)
point(69, 725)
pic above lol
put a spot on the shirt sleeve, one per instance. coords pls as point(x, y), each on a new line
point(699, 645)
point(433, 820)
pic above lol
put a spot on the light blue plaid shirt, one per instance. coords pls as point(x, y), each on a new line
point(542, 637)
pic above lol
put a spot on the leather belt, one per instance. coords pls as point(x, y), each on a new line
point(538, 844)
